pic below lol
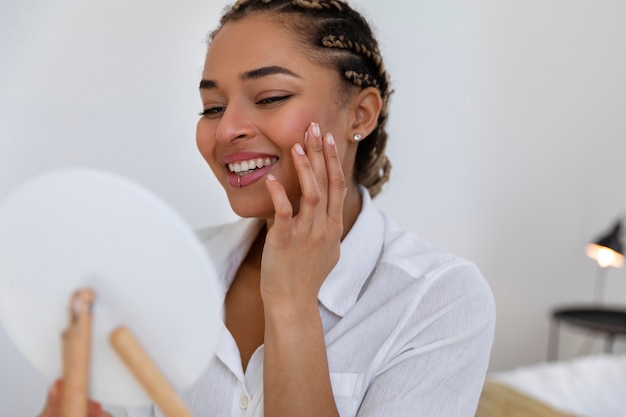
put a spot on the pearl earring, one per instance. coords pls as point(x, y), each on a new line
point(357, 137)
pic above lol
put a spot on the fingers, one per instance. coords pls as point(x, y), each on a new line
point(314, 148)
point(322, 182)
point(76, 349)
point(321, 175)
point(336, 180)
point(68, 396)
point(53, 401)
point(283, 211)
point(311, 168)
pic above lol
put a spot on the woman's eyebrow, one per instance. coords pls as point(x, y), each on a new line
point(253, 75)
point(207, 84)
point(265, 71)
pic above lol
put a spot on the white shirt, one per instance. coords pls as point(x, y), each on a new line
point(408, 328)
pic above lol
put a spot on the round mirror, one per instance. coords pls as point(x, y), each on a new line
point(78, 228)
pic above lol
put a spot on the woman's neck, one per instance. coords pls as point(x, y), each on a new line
point(351, 209)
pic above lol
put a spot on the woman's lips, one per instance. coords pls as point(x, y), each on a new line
point(245, 168)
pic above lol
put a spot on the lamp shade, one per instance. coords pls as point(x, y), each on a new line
point(608, 250)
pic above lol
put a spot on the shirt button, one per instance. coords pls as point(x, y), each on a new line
point(243, 402)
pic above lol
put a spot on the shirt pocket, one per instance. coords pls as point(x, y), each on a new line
point(348, 392)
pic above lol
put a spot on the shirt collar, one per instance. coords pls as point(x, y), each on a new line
point(360, 252)
point(229, 247)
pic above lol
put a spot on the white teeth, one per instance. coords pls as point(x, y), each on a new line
point(243, 167)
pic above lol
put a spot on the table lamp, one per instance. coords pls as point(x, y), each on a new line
point(607, 250)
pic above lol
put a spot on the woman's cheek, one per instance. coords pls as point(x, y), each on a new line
point(294, 123)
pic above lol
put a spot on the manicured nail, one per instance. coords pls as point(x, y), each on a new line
point(94, 408)
point(53, 392)
point(299, 149)
point(330, 139)
point(271, 177)
point(316, 129)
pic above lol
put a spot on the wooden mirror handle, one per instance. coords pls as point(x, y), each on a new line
point(147, 373)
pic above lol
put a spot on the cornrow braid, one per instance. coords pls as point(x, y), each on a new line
point(341, 38)
point(318, 5)
point(332, 41)
point(361, 80)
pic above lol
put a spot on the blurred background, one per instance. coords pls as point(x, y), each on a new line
point(507, 134)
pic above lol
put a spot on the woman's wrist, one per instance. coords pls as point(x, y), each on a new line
point(295, 311)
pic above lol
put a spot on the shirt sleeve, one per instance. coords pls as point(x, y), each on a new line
point(438, 364)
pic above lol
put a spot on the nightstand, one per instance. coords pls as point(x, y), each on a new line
point(607, 322)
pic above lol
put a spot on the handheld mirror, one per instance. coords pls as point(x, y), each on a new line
point(77, 228)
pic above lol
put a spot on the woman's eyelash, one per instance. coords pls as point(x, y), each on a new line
point(214, 111)
point(211, 111)
point(272, 100)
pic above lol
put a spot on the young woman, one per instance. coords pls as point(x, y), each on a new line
point(330, 308)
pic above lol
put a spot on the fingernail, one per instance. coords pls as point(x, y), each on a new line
point(316, 129)
point(77, 306)
point(299, 149)
point(94, 409)
point(271, 177)
point(53, 392)
point(330, 139)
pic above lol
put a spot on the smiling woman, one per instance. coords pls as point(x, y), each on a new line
point(264, 93)
point(330, 308)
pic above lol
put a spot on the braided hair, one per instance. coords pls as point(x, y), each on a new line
point(342, 39)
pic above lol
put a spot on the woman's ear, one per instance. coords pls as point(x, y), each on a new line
point(368, 105)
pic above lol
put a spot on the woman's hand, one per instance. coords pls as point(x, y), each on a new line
point(299, 253)
point(301, 250)
point(53, 404)
point(76, 340)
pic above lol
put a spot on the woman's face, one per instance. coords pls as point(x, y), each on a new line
point(260, 93)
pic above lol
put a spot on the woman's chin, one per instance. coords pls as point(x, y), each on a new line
point(252, 210)
point(257, 205)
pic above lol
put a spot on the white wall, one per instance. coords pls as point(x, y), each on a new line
point(507, 133)
point(512, 114)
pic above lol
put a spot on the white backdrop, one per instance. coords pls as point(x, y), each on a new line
point(507, 133)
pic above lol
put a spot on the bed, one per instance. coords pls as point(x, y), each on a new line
point(590, 386)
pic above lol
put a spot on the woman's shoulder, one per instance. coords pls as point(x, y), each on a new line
point(405, 250)
point(423, 283)
point(419, 272)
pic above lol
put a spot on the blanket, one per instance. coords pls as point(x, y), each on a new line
point(500, 400)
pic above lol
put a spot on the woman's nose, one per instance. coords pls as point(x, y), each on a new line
point(235, 124)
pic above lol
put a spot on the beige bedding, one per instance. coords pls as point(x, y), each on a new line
point(499, 400)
